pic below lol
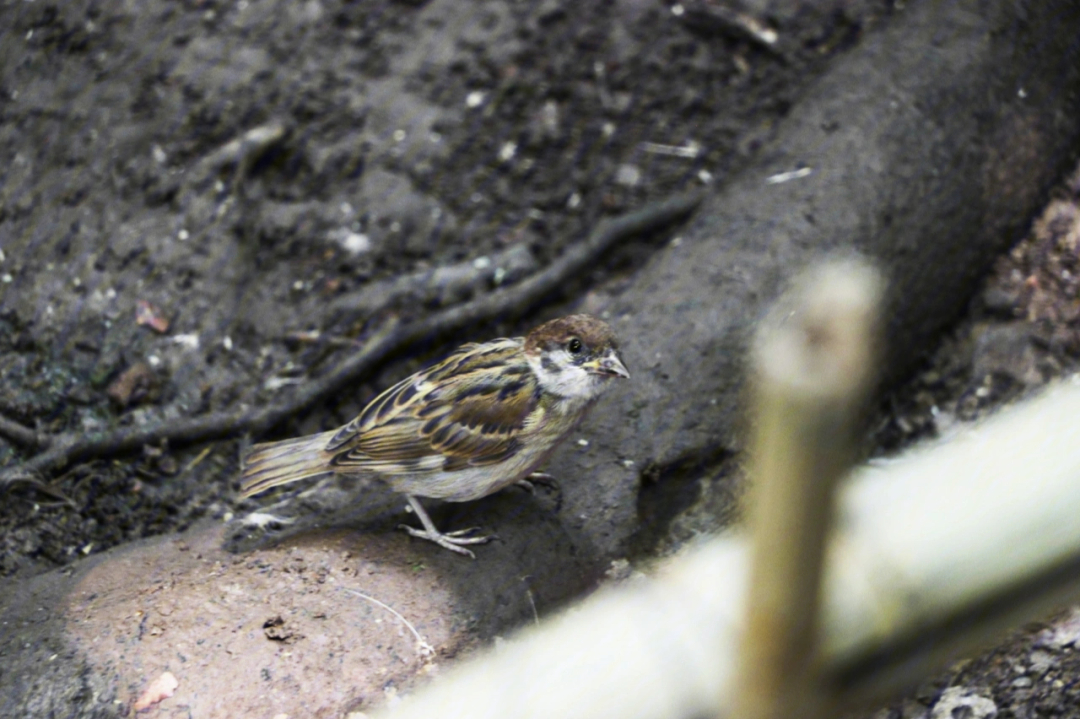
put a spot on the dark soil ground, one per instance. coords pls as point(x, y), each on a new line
point(150, 270)
point(404, 137)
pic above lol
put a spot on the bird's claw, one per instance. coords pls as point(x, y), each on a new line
point(529, 483)
point(465, 533)
point(453, 541)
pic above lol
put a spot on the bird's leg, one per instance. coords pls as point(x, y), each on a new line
point(529, 483)
point(450, 540)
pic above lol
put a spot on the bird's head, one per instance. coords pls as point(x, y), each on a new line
point(575, 357)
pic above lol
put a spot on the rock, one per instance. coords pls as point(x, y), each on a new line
point(399, 217)
point(1000, 300)
point(957, 702)
point(1063, 633)
point(1041, 662)
point(307, 628)
point(135, 384)
point(1006, 349)
point(214, 66)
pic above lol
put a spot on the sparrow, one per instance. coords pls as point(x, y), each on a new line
point(478, 421)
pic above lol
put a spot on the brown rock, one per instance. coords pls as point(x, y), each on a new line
point(134, 384)
point(309, 628)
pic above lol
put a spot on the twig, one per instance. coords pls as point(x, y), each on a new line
point(441, 286)
point(505, 303)
point(709, 17)
point(21, 434)
point(72, 448)
point(240, 152)
point(425, 650)
point(195, 462)
point(40, 486)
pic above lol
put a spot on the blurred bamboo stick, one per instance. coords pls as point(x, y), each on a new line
point(814, 362)
point(939, 551)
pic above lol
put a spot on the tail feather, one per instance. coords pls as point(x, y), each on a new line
point(268, 465)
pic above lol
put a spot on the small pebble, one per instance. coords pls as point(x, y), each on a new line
point(507, 151)
point(355, 243)
point(628, 175)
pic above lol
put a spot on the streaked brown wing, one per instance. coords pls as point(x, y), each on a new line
point(382, 409)
point(399, 398)
point(479, 422)
point(459, 409)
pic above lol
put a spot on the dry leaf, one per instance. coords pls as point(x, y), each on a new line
point(147, 314)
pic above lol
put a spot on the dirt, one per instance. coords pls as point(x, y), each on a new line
point(149, 271)
point(412, 136)
point(1022, 331)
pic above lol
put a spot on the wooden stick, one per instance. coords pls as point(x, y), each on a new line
point(814, 365)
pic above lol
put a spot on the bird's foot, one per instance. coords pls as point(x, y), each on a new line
point(529, 483)
point(454, 541)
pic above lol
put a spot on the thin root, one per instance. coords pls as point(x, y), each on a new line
point(425, 650)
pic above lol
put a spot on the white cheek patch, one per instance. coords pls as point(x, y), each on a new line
point(572, 382)
point(561, 377)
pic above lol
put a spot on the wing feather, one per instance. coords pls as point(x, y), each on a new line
point(467, 410)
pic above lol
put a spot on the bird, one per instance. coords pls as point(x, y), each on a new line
point(482, 419)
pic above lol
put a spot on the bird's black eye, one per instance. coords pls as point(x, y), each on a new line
point(573, 346)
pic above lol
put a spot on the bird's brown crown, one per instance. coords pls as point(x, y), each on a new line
point(594, 333)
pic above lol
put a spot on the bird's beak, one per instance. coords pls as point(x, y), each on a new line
point(608, 366)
